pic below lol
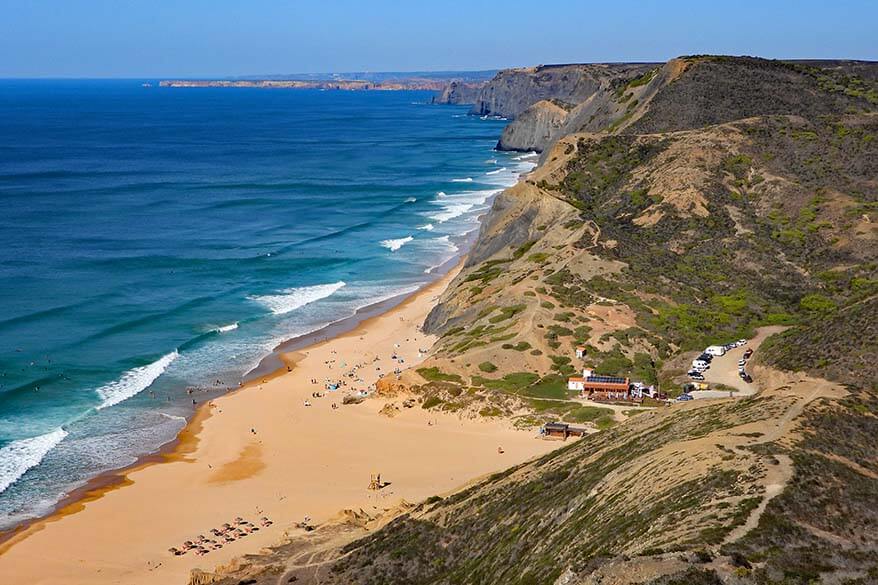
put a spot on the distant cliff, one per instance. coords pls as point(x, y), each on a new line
point(349, 85)
point(459, 92)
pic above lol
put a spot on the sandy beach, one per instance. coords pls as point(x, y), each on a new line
point(271, 449)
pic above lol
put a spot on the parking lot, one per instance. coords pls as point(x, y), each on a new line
point(724, 369)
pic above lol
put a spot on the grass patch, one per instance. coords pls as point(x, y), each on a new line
point(434, 374)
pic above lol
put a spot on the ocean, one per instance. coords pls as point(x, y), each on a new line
point(158, 243)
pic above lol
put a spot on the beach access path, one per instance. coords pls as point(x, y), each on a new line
point(261, 452)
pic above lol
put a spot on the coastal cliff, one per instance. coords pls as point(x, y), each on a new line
point(534, 128)
point(458, 93)
point(696, 202)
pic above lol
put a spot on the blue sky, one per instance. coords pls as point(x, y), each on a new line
point(204, 38)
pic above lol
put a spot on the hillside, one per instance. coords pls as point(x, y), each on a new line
point(675, 207)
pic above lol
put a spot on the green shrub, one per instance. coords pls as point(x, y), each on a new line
point(551, 386)
point(507, 313)
point(513, 383)
point(431, 401)
point(538, 257)
point(817, 304)
point(487, 367)
point(587, 414)
point(435, 375)
point(523, 249)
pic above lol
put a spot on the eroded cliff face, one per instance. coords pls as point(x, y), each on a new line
point(458, 93)
point(534, 128)
point(512, 91)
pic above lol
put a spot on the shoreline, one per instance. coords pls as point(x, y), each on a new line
point(273, 365)
point(314, 461)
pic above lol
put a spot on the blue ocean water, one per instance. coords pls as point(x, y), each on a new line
point(155, 240)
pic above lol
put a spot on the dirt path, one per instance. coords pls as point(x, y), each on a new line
point(777, 477)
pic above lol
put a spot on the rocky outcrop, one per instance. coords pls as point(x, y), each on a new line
point(512, 91)
point(534, 128)
point(458, 93)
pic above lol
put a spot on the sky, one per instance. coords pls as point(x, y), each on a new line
point(218, 38)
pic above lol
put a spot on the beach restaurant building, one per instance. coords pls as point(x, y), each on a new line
point(595, 387)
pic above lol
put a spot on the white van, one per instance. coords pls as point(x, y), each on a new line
point(699, 365)
point(716, 350)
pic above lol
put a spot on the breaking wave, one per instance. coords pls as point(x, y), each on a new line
point(295, 298)
point(394, 245)
point(464, 180)
point(426, 227)
point(450, 212)
point(19, 456)
point(134, 381)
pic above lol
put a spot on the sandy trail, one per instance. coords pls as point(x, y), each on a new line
point(262, 452)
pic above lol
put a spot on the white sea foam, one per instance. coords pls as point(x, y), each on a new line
point(134, 381)
point(394, 245)
point(526, 156)
point(386, 293)
point(173, 417)
point(464, 180)
point(295, 298)
point(450, 211)
point(426, 227)
point(497, 171)
point(19, 456)
point(411, 200)
point(445, 241)
point(227, 328)
point(441, 194)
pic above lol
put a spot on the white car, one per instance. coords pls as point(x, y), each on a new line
point(742, 363)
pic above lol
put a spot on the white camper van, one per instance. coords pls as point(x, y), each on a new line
point(716, 350)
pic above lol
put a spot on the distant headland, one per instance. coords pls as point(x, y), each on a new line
point(354, 81)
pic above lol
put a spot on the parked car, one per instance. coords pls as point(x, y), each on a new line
point(684, 397)
point(695, 375)
point(705, 357)
point(741, 342)
point(698, 364)
point(746, 377)
point(748, 353)
point(742, 362)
